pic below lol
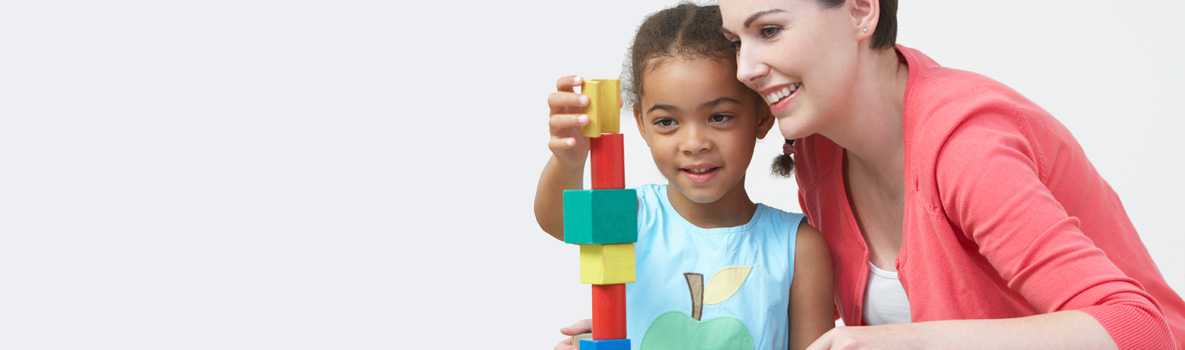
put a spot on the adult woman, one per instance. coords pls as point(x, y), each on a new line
point(984, 205)
point(1001, 233)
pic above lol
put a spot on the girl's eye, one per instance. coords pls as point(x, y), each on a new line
point(768, 32)
point(720, 118)
point(664, 122)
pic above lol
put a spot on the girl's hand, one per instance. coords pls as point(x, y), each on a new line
point(580, 327)
point(567, 116)
point(886, 337)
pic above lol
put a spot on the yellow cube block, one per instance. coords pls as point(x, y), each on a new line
point(607, 264)
point(604, 107)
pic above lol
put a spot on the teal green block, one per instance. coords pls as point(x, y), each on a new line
point(600, 216)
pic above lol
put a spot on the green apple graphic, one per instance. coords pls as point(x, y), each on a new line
point(676, 330)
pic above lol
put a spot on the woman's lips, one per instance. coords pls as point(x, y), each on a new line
point(782, 98)
point(785, 103)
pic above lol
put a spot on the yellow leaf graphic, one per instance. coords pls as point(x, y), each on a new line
point(725, 283)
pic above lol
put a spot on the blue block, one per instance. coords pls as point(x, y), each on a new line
point(605, 344)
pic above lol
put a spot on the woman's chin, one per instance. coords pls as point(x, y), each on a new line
point(796, 124)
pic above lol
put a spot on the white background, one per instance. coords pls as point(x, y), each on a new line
point(359, 174)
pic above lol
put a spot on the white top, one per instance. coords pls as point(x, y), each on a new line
point(885, 301)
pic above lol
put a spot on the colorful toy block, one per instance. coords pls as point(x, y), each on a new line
point(608, 311)
point(604, 106)
point(608, 161)
point(600, 216)
point(607, 264)
point(606, 344)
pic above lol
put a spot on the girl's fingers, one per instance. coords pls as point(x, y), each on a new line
point(566, 102)
point(568, 83)
point(572, 331)
point(564, 124)
point(565, 344)
point(578, 328)
point(561, 143)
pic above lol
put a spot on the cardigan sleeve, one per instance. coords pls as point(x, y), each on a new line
point(991, 188)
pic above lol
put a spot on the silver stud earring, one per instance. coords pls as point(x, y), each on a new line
point(864, 29)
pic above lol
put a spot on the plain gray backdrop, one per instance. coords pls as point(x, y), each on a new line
point(359, 174)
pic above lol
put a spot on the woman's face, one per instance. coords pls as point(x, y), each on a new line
point(800, 56)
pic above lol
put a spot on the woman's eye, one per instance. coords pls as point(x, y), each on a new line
point(770, 31)
point(664, 123)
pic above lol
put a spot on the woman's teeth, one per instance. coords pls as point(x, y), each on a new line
point(778, 96)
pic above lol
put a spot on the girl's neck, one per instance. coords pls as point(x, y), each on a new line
point(870, 129)
point(733, 209)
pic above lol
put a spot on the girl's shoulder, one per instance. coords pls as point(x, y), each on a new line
point(778, 221)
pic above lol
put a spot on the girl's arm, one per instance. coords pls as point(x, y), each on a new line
point(549, 196)
point(569, 150)
point(811, 301)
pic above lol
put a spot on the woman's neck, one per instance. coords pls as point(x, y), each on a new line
point(733, 209)
point(870, 128)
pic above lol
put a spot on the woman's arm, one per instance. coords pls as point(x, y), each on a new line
point(991, 188)
point(811, 299)
point(1058, 330)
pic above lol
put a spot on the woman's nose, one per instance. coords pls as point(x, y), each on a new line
point(750, 70)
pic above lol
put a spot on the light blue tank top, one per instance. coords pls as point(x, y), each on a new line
point(745, 277)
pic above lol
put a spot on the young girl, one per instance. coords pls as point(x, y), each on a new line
point(701, 126)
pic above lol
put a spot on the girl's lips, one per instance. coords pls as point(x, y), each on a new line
point(700, 178)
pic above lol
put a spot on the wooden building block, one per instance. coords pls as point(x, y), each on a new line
point(607, 344)
point(607, 264)
point(604, 106)
point(608, 311)
point(608, 161)
point(600, 216)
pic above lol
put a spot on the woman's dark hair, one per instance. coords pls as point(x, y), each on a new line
point(684, 31)
point(885, 34)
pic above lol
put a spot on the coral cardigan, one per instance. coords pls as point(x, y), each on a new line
point(1004, 217)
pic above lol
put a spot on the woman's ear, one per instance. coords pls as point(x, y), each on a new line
point(765, 120)
point(865, 16)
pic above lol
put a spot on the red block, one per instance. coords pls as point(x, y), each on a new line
point(608, 161)
point(608, 315)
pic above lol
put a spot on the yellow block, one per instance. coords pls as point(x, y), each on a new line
point(607, 264)
point(604, 107)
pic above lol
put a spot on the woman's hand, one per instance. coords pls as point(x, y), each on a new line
point(886, 337)
point(580, 327)
point(569, 146)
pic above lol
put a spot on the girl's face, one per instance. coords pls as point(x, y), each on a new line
point(800, 57)
point(701, 125)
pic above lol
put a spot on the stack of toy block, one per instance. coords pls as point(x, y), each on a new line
point(604, 220)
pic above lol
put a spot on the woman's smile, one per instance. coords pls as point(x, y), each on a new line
point(781, 98)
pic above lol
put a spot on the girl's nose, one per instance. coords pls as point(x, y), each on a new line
point(695, 141)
